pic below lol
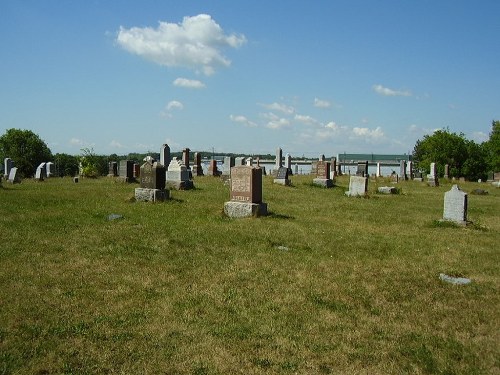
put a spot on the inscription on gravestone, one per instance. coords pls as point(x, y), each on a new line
point(246, 184)
point(323, 170)
point(455, 205)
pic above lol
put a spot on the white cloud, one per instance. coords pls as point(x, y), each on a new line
point(308, 120)
point(174, 104)
point(480, 137)
point(275, 122)
point(368, 134)
point(279, 107)
point(76, 142)
point(188, 83)
point(322, 103)
point(243, 120)
point(379, 89)
point(116, 144)
point(195, 43)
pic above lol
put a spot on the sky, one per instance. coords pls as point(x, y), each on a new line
point(310, 77)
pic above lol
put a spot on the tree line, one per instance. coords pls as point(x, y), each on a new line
point(464, 157)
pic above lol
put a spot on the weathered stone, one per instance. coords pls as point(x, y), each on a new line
point(244, 209)
point(126, 172)
point(246, 184)
point(387, 190)
point(455, 205)
point(178, 176)
point(151, 195)
point(152, 175)
point(358, 186)
point(14, 176)
point(282, 176)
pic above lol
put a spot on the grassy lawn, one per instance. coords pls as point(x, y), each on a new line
point(325, 284)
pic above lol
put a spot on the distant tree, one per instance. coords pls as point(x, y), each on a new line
point(492, 147)
point(25, 148)
point(476, 165)
point(66, 165)
point(88, 162)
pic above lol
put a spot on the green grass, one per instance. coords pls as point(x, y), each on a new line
point(325, 284)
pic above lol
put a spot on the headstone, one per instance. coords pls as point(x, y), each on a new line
point(165, 155)
point(246, 193)
point(296, 169)
point(228, 164)
point(279, 158)
point(75, 179)
point(185, 157)
point(409, 170)
point(178, 176)
point(339, 169)
point(362, 169)
point(358, 186)
point(402, 170)
point(314, 168)
point(432, 178)
point(378, 174)
point(137, 170)
point(41, 172)
point(126, 172)
point(322, 157)
point(288, 163)
point(238, 161)
point(14, 176)
point(112, 169)
point(333, 168)
point(446, 171)
point(419, 176)
point(50, 169)
point(394, 177)
point(8, 164)
point(323, 175)
point(387, 190)
point(282, 177)
point(197, 169)
point(212, 169)
point(455, 206)
point(152, 181)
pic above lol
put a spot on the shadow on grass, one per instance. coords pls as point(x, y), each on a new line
point(451, 224)
point(274, 215)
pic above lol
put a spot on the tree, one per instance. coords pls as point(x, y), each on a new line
point(492, 147)
point(88, 161)
point(25, 148)
point(442, 148)
point(66, 165)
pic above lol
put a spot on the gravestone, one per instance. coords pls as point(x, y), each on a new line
point(402, 170)
point(14, 176)
point(112, 169)
point(8, 164)
point(419, 176)
point(178, 176)
point(288, 163)
point(455, 206)
point(246, 193)
point(339, 169)
point(41, 172)
point(238, 161)
point(362, 169)
point(137, 170)
point(323, 175)
point(409, 170)
point(296, 169)
point(185, 157)
point(212, 169)
point(314, 168)
point(432, 178)
point(387, 190)
point(165, 155)
point(50, 169)
point(197, 169)
point(378, 173)
point(282, 176)
point(333, 168)
point(394, 177)
point(126, 172)
point(228, 164)
point(279, 158)
point(358, 186)
point(446, 171)
point(152, 181)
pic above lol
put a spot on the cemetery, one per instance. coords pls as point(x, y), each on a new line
point(249, 274)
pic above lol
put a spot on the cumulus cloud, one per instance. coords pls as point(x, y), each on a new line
point(196, 43)
point(279, 107)
point(188, 83)
point(275, 122)
point(242, 120)
point(368, 134)
point(76, 142)
point(174, 104)
point(307, 120)
point(318, 103)
point(116, 144)
point(379, 89)
point(480, 137)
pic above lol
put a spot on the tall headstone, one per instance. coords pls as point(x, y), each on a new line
point(178, 176)
point(323, 175)
point(279, 158)
point(249, 161)
point(446, 171)
point(296, 169)
point(212, 168)
point(228, 164)
point(112, 169)
point(14, 176)
point(8, 164)
point(126, 172)
point(432, 178)
point(165, 155)
point(378, 174)
point(238, 161)
point(402, 170)
point(322, 157)
point(185, 157)
point(50, 169)
point(358, 186)
point(152, 181)
point(288, 163)
point(41, 172)
point(333, 168)
point(409, 170)
point(136, 170)
point(455, 206)
point(246, 193)
point(197, 169)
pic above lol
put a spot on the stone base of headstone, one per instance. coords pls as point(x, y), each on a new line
point(432, 181)
point(151, 195)
point(243, 209)
point(197, 170)
point(387, 190)
point(281, 181)
point(180, 185)
point(323, 182)
point(418, 179)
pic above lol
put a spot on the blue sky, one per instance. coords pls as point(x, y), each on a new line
point(311, 77)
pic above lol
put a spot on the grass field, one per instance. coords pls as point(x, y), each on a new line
point(325, 284)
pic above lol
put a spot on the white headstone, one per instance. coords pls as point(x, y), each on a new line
point(358, 186)
point(41, 172)
point(455, 205)
point(378, 170)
